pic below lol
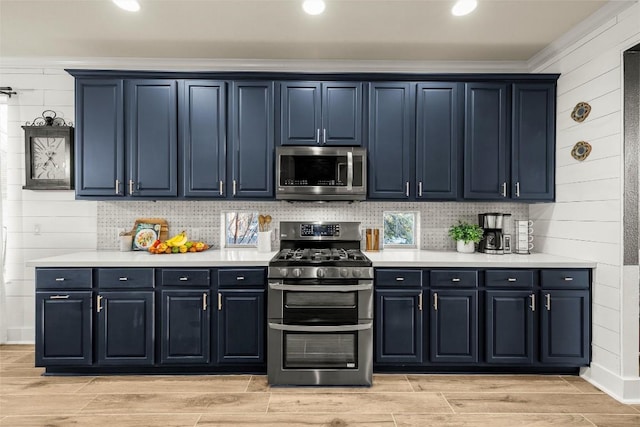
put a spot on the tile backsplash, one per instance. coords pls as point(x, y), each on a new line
point(201, 219)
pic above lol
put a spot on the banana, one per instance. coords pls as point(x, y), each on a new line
point(178, 240)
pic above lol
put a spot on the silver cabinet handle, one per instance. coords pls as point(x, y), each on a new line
point(349, 171)
point(123, 279)
point(117, 186)
point(234, 187)
point(512, 279)
point(240, 278)
point(399, 279)
point(324, 136)
point(99, 303)
point(518, 189)
point(318, 136)
point(304, 328)
point(455, 279)
point(131, 187)
point(59, 297)
point(204, 301)
point(435, 301)
point(219, 301)
point(420, 301)
point(220, 190)
point(183, 279)
point(59, 279)
point(420, 188)
point(406, 191)
point(504, 189)
point(547, 303)
point(568, 279)
point(533, 302)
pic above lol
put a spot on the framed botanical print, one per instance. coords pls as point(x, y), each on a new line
point(48, 157)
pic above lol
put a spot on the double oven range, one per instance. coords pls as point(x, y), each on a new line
point(320, 307)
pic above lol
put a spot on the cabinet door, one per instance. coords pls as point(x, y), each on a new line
point(125, 328)
point(63, 328)
point(533, 141)
point(300, 113)
point(251, 144)
point(390, 147)
point(99, 144)
point(185, 317)
point(565, 324)
point(509, 326)
point(342, 113)
point(438, 140)
point(398, 317)
point(454, 326)
point(485, 141)
point(152, 137)
point(241, 326)
point(203, 122)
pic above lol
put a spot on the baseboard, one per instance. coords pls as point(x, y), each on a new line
point(625, 390)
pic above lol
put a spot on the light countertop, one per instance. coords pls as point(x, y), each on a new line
point(251, 257)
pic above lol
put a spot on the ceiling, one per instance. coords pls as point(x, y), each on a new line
point(397, 30)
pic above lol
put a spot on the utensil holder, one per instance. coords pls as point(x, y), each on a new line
point(264, 241)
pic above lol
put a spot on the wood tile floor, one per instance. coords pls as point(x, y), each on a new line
point(29, 399)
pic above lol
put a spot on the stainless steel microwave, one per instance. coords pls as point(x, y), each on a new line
point(321, 173)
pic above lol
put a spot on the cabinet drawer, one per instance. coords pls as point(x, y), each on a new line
point(116, 278)
point(509, 278)
point(241, 276)
point(567, 279)
point(453, 278)
point(185, 277)
point(395, 278)
point(63, 278)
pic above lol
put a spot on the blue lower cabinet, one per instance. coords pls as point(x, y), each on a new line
point(454, 326)
point(509, 326)
point(564, 330)
point(399, 323)
point(63, 328)
point(241, 326)
point(125, 328)
point(186, 325)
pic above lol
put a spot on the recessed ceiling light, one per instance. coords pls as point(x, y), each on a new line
point(313, 7)
point(129, 5)
point(463, 7)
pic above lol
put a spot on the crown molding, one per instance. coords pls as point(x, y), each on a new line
point(292, 65)
point(597, 19)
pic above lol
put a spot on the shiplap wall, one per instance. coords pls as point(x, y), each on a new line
point(586, 220)
point(65, 224)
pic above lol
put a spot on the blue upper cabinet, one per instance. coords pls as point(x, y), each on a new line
point(390, 140)
point(203, 136)
point(439, 133)
point(152, 137)
point(251, 140)
point(321, 113)
point(99, 144)
point(485, 141)
point(533, 142)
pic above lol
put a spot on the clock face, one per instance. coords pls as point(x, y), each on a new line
point(48, 157)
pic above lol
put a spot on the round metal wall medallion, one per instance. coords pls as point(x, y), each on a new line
point(581, 150)
point(581, 112)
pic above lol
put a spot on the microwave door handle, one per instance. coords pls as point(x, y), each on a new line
point(349, 171)
point(304, 328)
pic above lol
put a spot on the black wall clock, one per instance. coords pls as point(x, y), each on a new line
point(48, 154)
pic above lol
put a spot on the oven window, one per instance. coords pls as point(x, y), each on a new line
point(320, 350)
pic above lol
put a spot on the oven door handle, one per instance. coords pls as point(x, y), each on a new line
point(303, 328)
point(366, 286)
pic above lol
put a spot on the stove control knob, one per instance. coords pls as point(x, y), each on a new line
point(344, 272)
point(356, 272)
point(321, 272)
point(284, 272)
point(296, 272)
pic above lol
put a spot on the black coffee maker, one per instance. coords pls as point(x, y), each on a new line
point(493, 241)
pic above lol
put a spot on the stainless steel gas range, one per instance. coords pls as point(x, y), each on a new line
point(320, 309)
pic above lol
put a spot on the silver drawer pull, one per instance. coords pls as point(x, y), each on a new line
point(240, 278)
point(183, 279)
point(455, 279)
point(59, 297)
point(568, 279)
point(123, 279)
point(511, 279)
point(59, 279)
point(399, 279)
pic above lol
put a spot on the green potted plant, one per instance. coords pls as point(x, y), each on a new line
point(466, 236)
